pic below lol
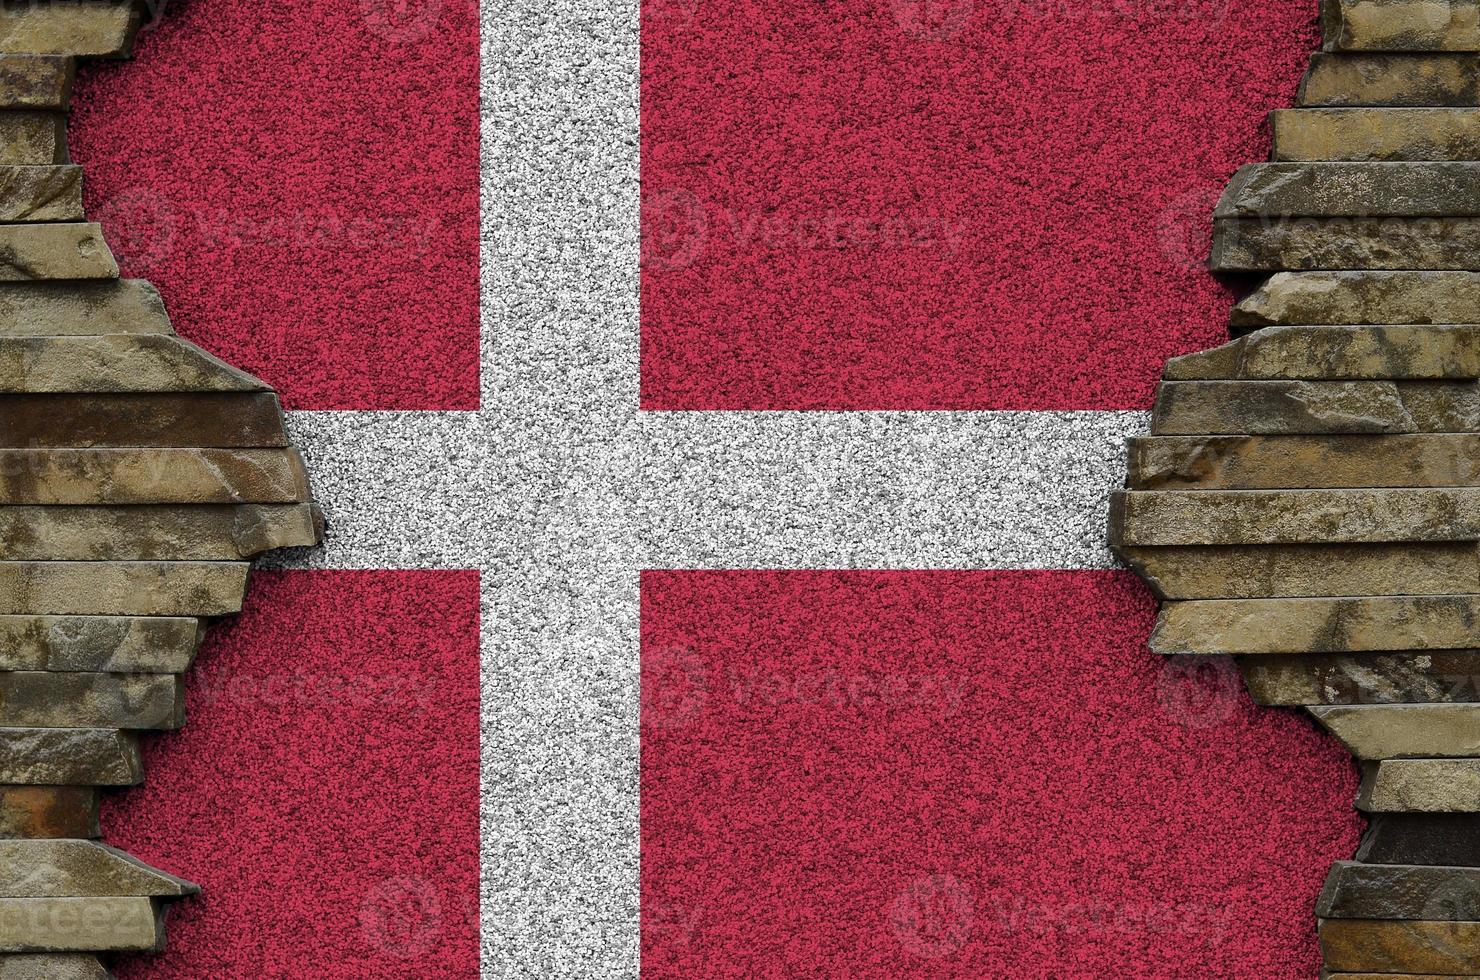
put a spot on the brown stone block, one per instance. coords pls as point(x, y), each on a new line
point(1367, 945)
point(1340, 625)
point(1391, 80)
point(1420, 786)
point(158, 420)
point(48, 812)
point(1401, 25)
point(141, 363)
point(1333, 353)
point(69, 757)
point(1303, 462)
point(1294, 680)
point(80, 869)
point(1404, 731)
point(137, 702)
point(1310, 407)
point(81, 308)
point(1294, 570)
point(32, 139)
point(212, 532)
point(36, 82)
point(115, 644)
point(1279, 244)
point(66, 925)
point(41, 193)
point(84, 28)
point(152, 476)
point(1398, 892)
point(1373, 297)
point(1353, 190)
point(166, 588)
point(61, 966)
point(1440, 839)
point(55, 251)
point(1376, 134)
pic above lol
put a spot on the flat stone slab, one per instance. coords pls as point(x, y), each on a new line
point(1296, 680)
point(1295, 570)
point(1376, 134)
point(136, 702)
point(81, 869)
point(228, 420)
point(139, 363)
point(1404, 731)
point(29, 81)
point(1368, 297)
point(1367, 945)
point(1421, 786)
point(160, 588)
point(1396, 892)
point(69, 757)
point(152, 476)
point(57, 967)
point(1380, 79)
point(1401, 25)
point(55, 251)
point(116, 644)
point(1279, 244)
point(1353, 190)
point(1303, 462)
point(32, 139)
point(65, 925)
point(1308, 407)
point(1318, 625)
point(211, 532)
point(41, 193)
point(33, 812)
point(1249, 517)
point(1338, 353)
point(1444, 839)
point(84, 28)
point(59, 309)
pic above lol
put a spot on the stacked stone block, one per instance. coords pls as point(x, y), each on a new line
point(139, 475)
point(1308, 501)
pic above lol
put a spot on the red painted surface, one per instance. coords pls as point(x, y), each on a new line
point(965, 774)
point(324, 792)
point(988, 204)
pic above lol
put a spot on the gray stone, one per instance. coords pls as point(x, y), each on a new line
point(1441, 839)
point(1335, 353)
point(1363, 891)
point(1295, 570)
point(1281, 244)
point(105, 306)
point(155, 532)
point(154, 420)
point(1376, 134)
point(84, 28)
point(1421, 786)
point(1301, 407)
point(1318, 625)
point(1401, 25)
point(1404, 731)
point(117, 644)
point(1368, 945)
point(41, 193)
point(1391, 80)
point(36, 82)
point(159, 588)
point(80, 869)
point(68, 925)
point(152, 476)
point(57, 251)
point(37, 812)
point(69, 757)
point(1373, 297)
point(32, 139)
point(1434, 676)
point(141, 363)
point(136, 702)
point(1274, 462)
point(61, 966)
point(1353, 190)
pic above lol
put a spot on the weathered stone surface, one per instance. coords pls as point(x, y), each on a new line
point(1376, 134)
point(117, 644)
point(48, 812)
point(213, 532)
point(65, 925)
point(1447, 839)
point(1353, 190)
point(163, 588)
point(1421, 786)
point(1401, 25)
point(158, 420)
point(32, 139)
point(140, 363)
point(1318, 625)
point(151, 476)
point(61, 966)
point(55, 251)
point(41, 193)
point(1279, 244)
point(1391, 80)
point(86, 28)
point(1375, 297)
point(80, 869)
point(69, 757)
point(37, 81)
point(1404, 731)
point(1274, 462)
point(1365, 945)
point(59, 309)
point(1273, 571)
point(1443, 352)
point(138, 702)
point(1361, 891)
point(1297, 407)
point(1363, 678)
point(1216, 517)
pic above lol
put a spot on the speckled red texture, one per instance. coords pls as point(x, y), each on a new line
point(301, 182)
point(324, 791)
point(989, 204)
point(965, 774)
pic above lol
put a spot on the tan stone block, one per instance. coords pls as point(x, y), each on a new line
point(81, 308)
point(212, 532)
point(152, 476)
point(32, 139)
point(136, 702)
point(1318, 625)
point(168, 421)
point(81, 869)
point(65, 925)
point(1301, 407)
point(69, 757)
point(60, 966)
point(1421, 786)
point(1244, 245)
point(1295, 680)
point(1331, 353)
point(36, 812)
point(1399, 731)
point(142, 363)
point(1353, 190)
point(1376, 134)
point(1291, 571)
point(55, 251)
point(36, 82)
point(1299, 462)
point(41, 193)
point(85, 28)
point(1368, 297)
point(1391, 80)
point(1401, 25)
point(166, 588)
point(117, 644)
point(1364, 945)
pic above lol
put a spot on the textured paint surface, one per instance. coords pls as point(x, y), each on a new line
point(943, 203)
point(965, 775)
point(325, 791)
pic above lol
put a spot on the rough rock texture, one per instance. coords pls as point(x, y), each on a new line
point(1357, 297)
point(1376, 134)
point(1392, 80)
